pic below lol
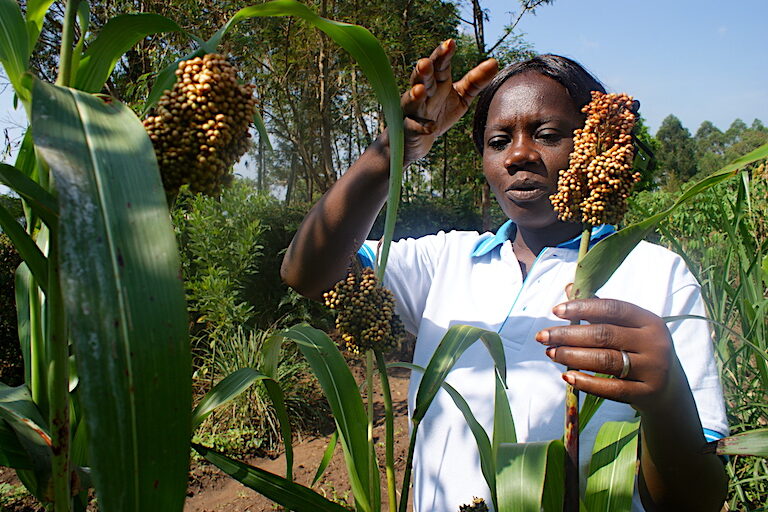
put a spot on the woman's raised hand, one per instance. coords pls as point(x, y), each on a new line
point(434, 102)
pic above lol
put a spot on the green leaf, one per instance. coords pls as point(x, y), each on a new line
point(226, 390)
point(754, 442)
point(12, 453)
point(284, 492)
point(327, 455)
point(23, 417)
point(503, 422)
point(345, 401)
point(372, 59)
point(590, 405)
point(611, 479)
point(458, 339)
point(124, 297)
point(41, 201)
point(594, 270)
point(118, 36)
point(14, 46)
point(523, 469)
point(258, 122)
point(84, 19)
point(486, 451)
point(25, 246)
point(23, 283)
point(36, 10)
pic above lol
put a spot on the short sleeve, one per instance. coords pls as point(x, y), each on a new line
point(410, 271)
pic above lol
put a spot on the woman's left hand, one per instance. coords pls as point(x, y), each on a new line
point(615, 326)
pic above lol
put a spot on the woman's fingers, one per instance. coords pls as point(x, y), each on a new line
point(476, 80)
point(610, 362)
point(611, 311)
point(618, 390)
point(607, 336)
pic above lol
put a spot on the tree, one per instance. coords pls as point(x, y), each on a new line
point(677, 151)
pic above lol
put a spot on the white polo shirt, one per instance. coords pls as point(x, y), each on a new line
point(475, 279)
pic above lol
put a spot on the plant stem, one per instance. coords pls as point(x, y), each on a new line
point(408, 465)
point(372, 480)
point(389, 428)
point(58, 384)
point(67, 42)
point(571, 503)
point(38, 358)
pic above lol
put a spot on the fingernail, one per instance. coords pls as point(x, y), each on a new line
point(542, 336)
point(567, 377)
point(559, 310)
point(551, 352)
point(447, 43)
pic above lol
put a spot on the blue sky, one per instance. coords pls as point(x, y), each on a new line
point(699, 60)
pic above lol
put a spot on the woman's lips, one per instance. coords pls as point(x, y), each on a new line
point(526, 193)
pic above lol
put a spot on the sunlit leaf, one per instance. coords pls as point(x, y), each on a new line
point(754, 442)
point(14, 45)
point(457, 339)
point(611, 480)
point(116, 37)
point(345, 401)
point(36, 10)
point(521, 473)
point(594, 270)
point(226, 390)
point(124, 297)
point(327, 456)
point(284, 492)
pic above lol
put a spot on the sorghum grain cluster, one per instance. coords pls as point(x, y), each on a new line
point(200, 127)
point(477, 505)
point(595, 187)
point(365, 313)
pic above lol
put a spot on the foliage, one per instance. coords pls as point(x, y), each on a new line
point(724, 238)
point(11, 365)
point(677, 155)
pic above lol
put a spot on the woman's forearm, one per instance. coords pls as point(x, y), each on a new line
point(674, 473)
point(337, 225)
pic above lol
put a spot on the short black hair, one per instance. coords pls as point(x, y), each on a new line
point(570, 74)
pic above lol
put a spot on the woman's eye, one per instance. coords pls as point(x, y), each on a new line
point(549, 136)
point(497, 143)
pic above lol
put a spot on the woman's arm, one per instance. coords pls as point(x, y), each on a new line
point(674, 473)
point(337, 225)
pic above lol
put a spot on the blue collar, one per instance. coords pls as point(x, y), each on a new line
point(508, 230)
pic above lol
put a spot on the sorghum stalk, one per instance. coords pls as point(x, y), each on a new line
point(372, 463)
point(593, 190)
point(408, 466)
point(572, 416)
point(389, 432)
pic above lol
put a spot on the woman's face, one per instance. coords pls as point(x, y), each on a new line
point(528, 139)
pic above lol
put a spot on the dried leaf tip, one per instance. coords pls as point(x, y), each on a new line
point(600, 176)
point(199, 128)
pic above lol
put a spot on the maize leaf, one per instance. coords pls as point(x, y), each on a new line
point(14, 46)
point(611, 479)
point(40, 200)
point(530, 476)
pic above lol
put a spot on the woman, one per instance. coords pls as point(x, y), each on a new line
point(513, 283)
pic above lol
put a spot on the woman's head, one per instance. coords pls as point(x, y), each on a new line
point(568, 73)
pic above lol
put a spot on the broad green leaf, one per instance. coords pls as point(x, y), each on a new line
point(84, 19)
point(226, 390)
point(23, 283)
point(754, 442)
point(124, 297)
point(345, 401)
point(458, 339)
point(41, 201)
point(24, 418)
point(12, 453)
point(25, 246)
point(284, 492)
point(14, 46)
point(36, 10)
point(118, 36)
point(372, 59)
point(487, 454)
point(594, 270)
point(611, 479)
point(521, 473)
point(503, 422)
point(590, 405)
point(327, 455)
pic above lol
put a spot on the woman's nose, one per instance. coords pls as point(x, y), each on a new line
point(520, 152)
